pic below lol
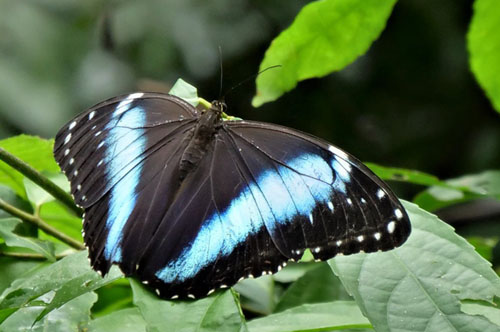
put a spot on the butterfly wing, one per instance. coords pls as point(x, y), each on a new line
point(212, 235)
point(111, 152)
point(313, 195)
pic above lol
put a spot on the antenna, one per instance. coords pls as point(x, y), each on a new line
point(246, 80)
point(221, 71)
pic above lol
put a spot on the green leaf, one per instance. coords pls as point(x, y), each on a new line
point(38, 196)
point(316, 286)
point(404, 175)
point(69, 278)
point(483, 41)
point(218, 312)
point(129, 319)
point(419, 286)
point(14, 269)
point(338, 315)
point(326, 36)
point(293, 271)
point(257, 295)
point(7, 227)
point(33, 150)
point(72, 316)
point(62, 219)
point(482, 309)
point(186, 91)
point(462, 189)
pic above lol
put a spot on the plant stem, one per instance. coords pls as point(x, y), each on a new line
point(204, 103)
point(40, 180)
point(41, 224)
point(26, 255)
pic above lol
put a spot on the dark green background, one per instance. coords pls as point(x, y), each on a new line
point(410, 102)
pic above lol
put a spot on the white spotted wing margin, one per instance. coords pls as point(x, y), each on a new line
point(322, 198)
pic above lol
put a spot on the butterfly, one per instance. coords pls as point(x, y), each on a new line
point(188, 202)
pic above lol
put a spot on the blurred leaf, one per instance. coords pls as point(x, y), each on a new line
point(293, 271)
point(316, 286)
point(257, 295)
point(61, 218)
point(112, 297)
point(312, 317)
point(418, 287)
point(469, 187)
point(33, 150)
point(186, 91)
point(69, 278)
point(7, 227)
point(483, 41)
point(326, 36)
point(10, 197)
point(483, 246)
point(219, 312)
point(72, 316)
point(122, 320)
point(404, 175)
point(38, 196)
point(482, 309)
point(14, 269)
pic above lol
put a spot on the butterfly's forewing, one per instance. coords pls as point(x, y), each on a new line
point(316, 196)
point(110, 152)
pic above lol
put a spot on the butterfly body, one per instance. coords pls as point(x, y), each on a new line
point(189, 203)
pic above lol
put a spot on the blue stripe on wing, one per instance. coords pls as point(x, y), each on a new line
point(121, 139)
point(265, 202)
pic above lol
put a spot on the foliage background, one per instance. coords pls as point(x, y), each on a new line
point(411, 101)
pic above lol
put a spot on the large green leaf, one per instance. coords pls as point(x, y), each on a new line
point(68, 278)
point(71, 316)
point(129, 319)
point(35, 151)
point(62, 219)
point(326, 36)
point(462, 189)
point(7, 227)
point(405, 175)
point(419, 286)
point(218, 312)
point(316, 286)
point(329, 316)
point(483, 42)
point(15, 269)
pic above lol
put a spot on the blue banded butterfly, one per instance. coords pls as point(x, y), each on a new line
point(188, 202)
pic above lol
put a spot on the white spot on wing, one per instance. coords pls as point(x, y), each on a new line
point(330, 206)
point(377, 236)
point(338, 152)
point(311, 218)
point(98, 133)
point(67, 139)
point(380, 193)
point(79, 187)
point(72, 125)
point(360, 238)
point(363, 201)
point(398, 214)
point(91, 115)
point(191, 296)
point(317, 249)
point(211, 291)
point(75, 173)
point(174, 297)
point(391, 227)
point(349, 201)
point(66, 152)
point(71, 161)
point(338, 243)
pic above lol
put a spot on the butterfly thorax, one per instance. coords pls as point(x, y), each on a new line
point(200, 139)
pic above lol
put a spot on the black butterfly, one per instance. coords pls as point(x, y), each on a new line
point(189, 203)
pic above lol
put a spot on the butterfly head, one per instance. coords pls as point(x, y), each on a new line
point(218, 106)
